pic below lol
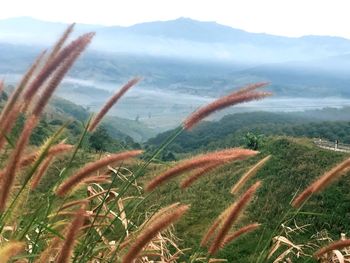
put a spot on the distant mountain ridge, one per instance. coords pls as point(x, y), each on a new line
point(191, 60)
point(182, 38)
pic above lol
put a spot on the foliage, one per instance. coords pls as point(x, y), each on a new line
point(293, 165)
point(89, 207)
point(100, 140)
point(3, 96)
point(40, 133)
point(253, 141)
point(231, 131)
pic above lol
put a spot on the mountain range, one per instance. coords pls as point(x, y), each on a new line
point(183, 38)
point(190, 60)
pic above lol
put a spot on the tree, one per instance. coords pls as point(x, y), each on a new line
point(168, 157)
point(100, 140)
point(40, 133)
point(3, 96)
point(252, 140)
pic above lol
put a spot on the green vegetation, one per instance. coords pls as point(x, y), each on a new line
point(116, 133)
point(232, 130)
point(118, 128)
point(294, 164)
point(74, 193)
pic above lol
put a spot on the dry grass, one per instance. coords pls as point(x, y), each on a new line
point(98, 224)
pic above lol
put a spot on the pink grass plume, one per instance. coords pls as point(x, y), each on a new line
point(151, 230)
point(109, 104)
point(337, 245)
point(71, 236)
point(232, 214)
point(92, 167)
point(322, 182)
point(245, 94)
point(199, 161)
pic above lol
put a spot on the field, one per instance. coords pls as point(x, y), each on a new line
point(203, 192)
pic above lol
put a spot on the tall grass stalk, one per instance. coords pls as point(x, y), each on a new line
point(53, 139)
point(44, 77)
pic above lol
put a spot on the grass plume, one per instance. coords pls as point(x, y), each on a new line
point(161, 223)
point(12, 109)
point(92, 167)
point(2, 85)
point(199, 173)
point(243, 230)
point(8, 177)
point(109, 104)
point(61, 41)
point(197, 162)
point(322, 182)
point(211, 231)
point(10, 249)
point(251, 172)
point(188, 181)
point(41, 171)
point(61, 72)
point(333, 246)
point(221, 103)
point(231, 216)
point(71, 237)
point(250, 87)
point(54, 64)
point(53, 151)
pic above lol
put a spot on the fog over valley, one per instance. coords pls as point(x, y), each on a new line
point(182, 67)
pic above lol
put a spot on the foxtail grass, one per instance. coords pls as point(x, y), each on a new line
point(90, 168)
point(211, 231)
point(2, 85)
point(109, 104)
point(43, 79)
point(71, 237)
point(200, 172)
point(242, 231)
point(46, 255)
point(8, 177)
point(223, 102)
point(337, 245)
point(64, 62)
point(199, 161)
point(231, 216)
point(12, 107)
point(251, 172)
point(151, 230)
point(46, 72)
point(60, 42)
point(53, 151)
point(322, 182)
point(40, 173)
point(10, 249)
point(250, 87)
point(61, 71)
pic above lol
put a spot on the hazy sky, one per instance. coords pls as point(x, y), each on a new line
point(281, 17)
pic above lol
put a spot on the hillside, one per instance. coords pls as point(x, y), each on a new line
point(294, 164)
point(76, 188)
point(232, 130)
point(118, 128)
point(60, 110)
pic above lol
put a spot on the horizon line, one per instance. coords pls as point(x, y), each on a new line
point(168, 20)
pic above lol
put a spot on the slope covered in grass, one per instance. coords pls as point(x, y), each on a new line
point(231, 129)
point(294, 164)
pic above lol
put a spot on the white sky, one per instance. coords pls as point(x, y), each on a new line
point(281, 17)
